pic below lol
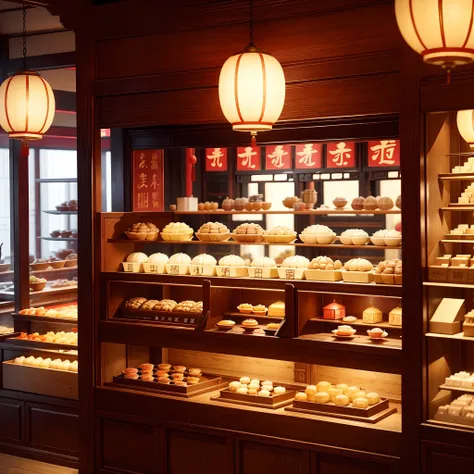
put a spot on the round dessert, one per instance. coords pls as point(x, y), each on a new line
point(225, 324)
point(358, 265)
point(263, 262)
point(325, 263)
point(296, 261)
point(146, 366)
point(179, 368)
point(249, 324)
point(318, 234)
point(166, 367)
point(248, 232)
point(342, 386)
point(252, 390)
point(177, 231)
point(231, 261)
point(180, 383)
point(213, 232)
point(147, 378)
point(267, 387)
point(273, 326)
point(204, 259)
point(373, 398)
point(260, 309)
point(242, 390)
point(142, 231)
point(164, 380)
point(360, 394)
point(179, 259)
point(165, 306)
point(264, 393)
point(301, 397)
point(376, 333)
point(279, 234)
point(177, 376)
point(279, 390)
point(354, 237)
point(255, 382)
point(245, 380)
point(321, 397)
point(323, 386)
point(158, 259)
point(195, 372)
point(360, 403)
point(192, 380)
point(233, 386)
point(344, 331)
point(137, 257)
point(351, 392)
point(255, 386)
point(245, 308)
point(333, 393)
point(161, 373)
point(341, 400)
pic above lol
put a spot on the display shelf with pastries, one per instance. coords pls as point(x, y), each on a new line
point(49, 341)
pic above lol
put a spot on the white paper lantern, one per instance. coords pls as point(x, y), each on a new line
point(465, 122)
point(252, 90)
point(27, 106)
point(440, 30)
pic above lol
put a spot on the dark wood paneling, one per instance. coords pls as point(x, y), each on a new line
point(127, 447)
point(198, 453)
point(441, 463)
point(339, 465)
point(11, 427)
point(52, 428)
point(257, 458)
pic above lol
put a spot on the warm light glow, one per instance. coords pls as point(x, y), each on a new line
point(440, 30)
point(465, 122)
point(27, 106)
point(252, 91)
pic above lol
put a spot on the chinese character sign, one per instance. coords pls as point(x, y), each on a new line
point(216, 159)
point(384, 153)
point(341, 155)
point(148, 191)
point(249, 159)
point(278, 157)
point(308, 156)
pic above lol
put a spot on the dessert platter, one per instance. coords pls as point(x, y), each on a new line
point(279, 235)
point(253, 392)
point(177, 232)
point(48, 363)
point(213, 232)
point(459, 411)
point(342, 401)
point(461, 381)
point(142, 231)
point(68, 338)
point(67, 311)
point(248, 232)
point(172, 380)
point(67, 206)
point(324, 269)
point(389, 272)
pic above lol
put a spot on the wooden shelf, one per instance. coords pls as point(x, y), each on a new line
point(358, 323)
point(458, 207)
point(455, 241)
point(456, 389)
point(319, 349)
point(232, 242)
point(66, 213)
point(47, 291)
point(448, 285)
point(59, 239)
point(457, 337)
point(456, 176)
point(370, 289)
point(46, 346)
point(314, 212)
point(46, 319)
point(56, 180)
point(358, 340)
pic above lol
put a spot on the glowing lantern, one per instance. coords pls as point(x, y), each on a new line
point(252, 89)
point(465, 122)
point(440, 30)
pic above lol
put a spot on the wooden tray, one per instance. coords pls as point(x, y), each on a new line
point(273, 401)
point(372, 414)
point(207, 383)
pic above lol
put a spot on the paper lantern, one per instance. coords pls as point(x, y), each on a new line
point(440, 30)
point(27, 106)
point(465, 122)
point(252, 90)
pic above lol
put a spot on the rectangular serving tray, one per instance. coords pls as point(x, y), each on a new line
point(273, 401)
point(371, 414)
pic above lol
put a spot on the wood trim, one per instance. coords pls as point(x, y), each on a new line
point(45, 61)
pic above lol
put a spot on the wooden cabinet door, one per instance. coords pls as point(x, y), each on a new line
point(198, 453)
point(11, 420)
point(259, 458)
point(331, 464)
point(441, 463)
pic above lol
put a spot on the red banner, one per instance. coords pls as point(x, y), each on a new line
point(278, 157)
point(384, 153)
point(249, 159)
point(216, 159)
point(148, 177)
point(309, 156)
point(341, 155)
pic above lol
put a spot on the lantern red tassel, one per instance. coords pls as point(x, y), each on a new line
point(25, 148)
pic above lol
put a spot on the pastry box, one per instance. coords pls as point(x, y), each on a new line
point(458, 274)
point(132, 267)
point(263, 272)
point(323, 275)
point(291, 273)
point(154, 268)
point(205, 270)
point(448, 316)
point(438, 272)
point(231, 272)
point(371, 414)
point(177, 268)
point(273, 401)
point(357, 277)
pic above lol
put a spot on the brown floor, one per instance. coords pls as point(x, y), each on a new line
point(14, 465)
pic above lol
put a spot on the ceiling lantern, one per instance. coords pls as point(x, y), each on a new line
point(27, 104)
point(252, 89)
point(440, 30)
point(465, 122)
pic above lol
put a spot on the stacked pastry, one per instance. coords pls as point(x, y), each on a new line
point(460, 410)
point(164, 374)
point(460, 379)
point(48, 363)
point(248, 386)
point(340, 395)
point(69, 311)
point(60, 337)
point(167, 305)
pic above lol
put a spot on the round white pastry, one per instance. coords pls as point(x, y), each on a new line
point(373, 398)
point(231, 261)
point(245, 380)
point(180, 259)
point(297, 261)
point(342, 386)
point(301, 397)
point(360, 403)
point(323, 386)
point(254, 386)
point(242, 390)
point(137, 257)
point(46, 363)
point(255, 382)
point(252, 390)
point(74, 366)
point(267, 387)
point(263, 262)
point(333, 393)
point(55, 364)
point(37, 362)
point(267, 382)
point(158, 259)
point(29, 361)
point(204, 259)
point(264, 393)
point(20, 360)
point(341, 400)
point(279, 390)
point(360, 394)
point(321, 397)
point(311, 391)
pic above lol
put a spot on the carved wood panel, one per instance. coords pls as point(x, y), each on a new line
point(11, 426)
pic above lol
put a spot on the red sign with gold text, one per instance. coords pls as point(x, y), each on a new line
point(278, 157)
point(216, 159)
point(341, 155)
point(249, 158)
point(384, 153)
point(308, 156)
point(148, 177)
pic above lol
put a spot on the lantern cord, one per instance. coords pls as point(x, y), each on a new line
point(253, 141)
point(25, 149)
point(24, 36)
point(251, 22)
